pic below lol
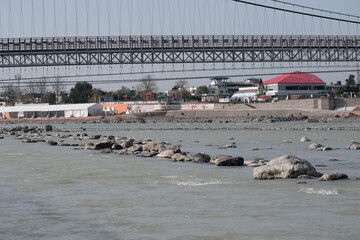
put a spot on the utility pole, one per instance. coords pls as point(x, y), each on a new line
point(358, 74)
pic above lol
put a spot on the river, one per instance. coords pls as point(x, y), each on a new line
point(68, 193)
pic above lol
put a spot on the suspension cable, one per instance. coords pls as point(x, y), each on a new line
point(55, 30)
point(297, 12)
point(65, 16)
point(44, 19)
point(32, 19)
point(316, 9)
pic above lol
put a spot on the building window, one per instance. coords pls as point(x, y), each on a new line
point(319, 87)
point(292, 88)
point(304, 88)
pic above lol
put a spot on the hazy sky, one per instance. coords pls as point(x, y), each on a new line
point(41, 18)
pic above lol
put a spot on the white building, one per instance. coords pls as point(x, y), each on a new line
point(295, 84)
point(221, 87)
point(51, 111)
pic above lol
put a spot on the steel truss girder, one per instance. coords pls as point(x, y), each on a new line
point(36, 59)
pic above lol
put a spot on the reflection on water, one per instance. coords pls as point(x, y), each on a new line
point(61, 193)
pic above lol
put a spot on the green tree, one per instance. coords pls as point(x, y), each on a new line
point(81, 93)
point(350, 84)
point(203, 90)
point(10, 92)
point(349, 87)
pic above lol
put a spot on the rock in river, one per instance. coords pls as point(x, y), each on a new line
point(304, 139)
point(333, 176)
point(201, 158)
point(287, 166)
point(315, 146)
point(127, 143)
point(354, 146)
point(103, 145)
point(227, 160)
point(179, 157)
point(166, 154)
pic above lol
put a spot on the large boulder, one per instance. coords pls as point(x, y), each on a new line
point(103, 145)
point(127, 143)
point(153, 146)
point(179, 157)
point(315, 146)
point(227, 160)
point(134, 148)
point(333, 176)
point(166, 154)
point(354, 146)
point(201, 158)
point(287, 166)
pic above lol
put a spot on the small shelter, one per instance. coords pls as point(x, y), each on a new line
point(150, 96)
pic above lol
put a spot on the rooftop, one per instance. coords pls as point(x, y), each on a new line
point(296, 77)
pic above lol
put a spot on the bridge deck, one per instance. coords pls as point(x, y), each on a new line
point(24, 52)
point(178, 42)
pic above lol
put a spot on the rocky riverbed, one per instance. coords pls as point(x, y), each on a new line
point(282, 167)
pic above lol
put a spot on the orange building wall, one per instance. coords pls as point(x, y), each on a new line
point(120, 108)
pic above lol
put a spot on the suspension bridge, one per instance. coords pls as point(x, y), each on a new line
point(37, 52)
point(235, 45)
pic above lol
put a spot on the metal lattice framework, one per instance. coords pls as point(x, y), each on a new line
point(32, 52)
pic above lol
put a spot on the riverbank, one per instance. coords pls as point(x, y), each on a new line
point(198, 116)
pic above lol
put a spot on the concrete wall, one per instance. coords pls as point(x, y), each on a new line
point(346, 102)
point(289, 104)
point(305, 104)
point(302, 104)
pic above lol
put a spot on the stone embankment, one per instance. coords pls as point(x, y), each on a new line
point(283, 167)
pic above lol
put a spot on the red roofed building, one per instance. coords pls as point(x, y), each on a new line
point(295, 84)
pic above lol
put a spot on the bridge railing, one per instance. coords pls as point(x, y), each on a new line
point(175, 42)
